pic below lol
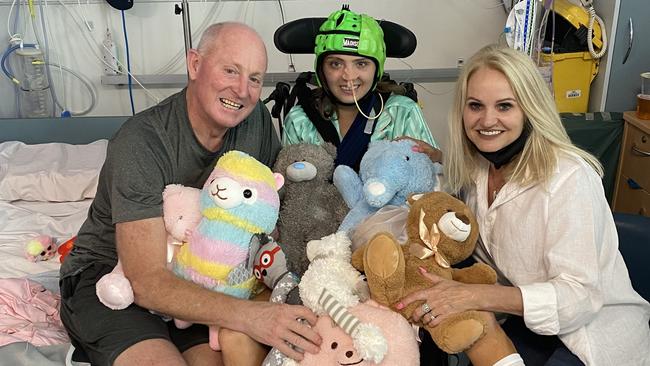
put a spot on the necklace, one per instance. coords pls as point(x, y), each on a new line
point(495, 184)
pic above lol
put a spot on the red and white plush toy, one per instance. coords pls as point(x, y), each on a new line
point(181, 214)
point(40, 248)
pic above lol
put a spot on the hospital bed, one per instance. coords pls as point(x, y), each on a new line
point(48, 176)
point(48, 172)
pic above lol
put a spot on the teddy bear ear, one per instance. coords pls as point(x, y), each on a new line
point(330, 148)
point(414, 197)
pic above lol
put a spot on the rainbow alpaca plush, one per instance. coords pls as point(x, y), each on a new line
point(238, 200)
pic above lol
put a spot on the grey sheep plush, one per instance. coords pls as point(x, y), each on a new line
point(311, 207)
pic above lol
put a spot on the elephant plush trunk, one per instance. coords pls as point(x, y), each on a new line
point(379, 193)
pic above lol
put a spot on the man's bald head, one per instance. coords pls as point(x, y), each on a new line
point(229, 34)
point(226, 74)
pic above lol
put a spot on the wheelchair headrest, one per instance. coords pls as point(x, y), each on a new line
point(298, 37)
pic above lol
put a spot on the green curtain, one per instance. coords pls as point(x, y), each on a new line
point(601, 134)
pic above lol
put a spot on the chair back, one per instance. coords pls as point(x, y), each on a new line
point(634, 245)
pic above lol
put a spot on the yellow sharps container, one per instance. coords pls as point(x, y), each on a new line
point(573, 72)
point(572, 76)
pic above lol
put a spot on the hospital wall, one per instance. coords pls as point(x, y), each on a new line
point(446, 31)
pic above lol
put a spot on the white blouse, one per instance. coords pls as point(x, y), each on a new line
point(558, 244)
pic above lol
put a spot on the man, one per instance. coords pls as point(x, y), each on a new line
point(176, 141)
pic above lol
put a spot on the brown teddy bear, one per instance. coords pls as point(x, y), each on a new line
point(442, 231)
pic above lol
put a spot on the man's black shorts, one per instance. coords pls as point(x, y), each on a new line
point(103, 333)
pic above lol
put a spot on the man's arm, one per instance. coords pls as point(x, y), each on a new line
point(142, 251)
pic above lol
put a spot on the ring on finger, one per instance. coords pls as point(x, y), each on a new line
point(428, 318)
point(293, 346)
point(288, 344)
point(431, 317)
point(425, 308)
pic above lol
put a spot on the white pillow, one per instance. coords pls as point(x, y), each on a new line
point(54, 172)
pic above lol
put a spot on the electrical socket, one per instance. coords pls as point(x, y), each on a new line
point(460, 62)
point(109, 52)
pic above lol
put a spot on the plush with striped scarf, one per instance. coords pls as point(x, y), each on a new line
point(238, 200)
point(331, 286)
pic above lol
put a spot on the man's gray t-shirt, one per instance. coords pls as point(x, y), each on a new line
point(152, 149)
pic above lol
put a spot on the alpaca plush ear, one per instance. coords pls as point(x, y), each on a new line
point(279, 180)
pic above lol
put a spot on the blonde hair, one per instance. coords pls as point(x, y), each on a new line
point(547, 140)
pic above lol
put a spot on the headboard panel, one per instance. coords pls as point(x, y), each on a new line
point(76, 130)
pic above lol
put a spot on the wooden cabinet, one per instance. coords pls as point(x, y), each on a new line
point(633, 178)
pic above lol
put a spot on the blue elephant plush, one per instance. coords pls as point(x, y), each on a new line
point(390, 171)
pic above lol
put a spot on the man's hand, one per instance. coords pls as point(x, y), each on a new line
point(159, 289)
point(278, 325)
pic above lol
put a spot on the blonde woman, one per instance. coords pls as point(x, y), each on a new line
point(545, 224)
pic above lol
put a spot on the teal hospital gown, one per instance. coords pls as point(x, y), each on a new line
point(401, 117)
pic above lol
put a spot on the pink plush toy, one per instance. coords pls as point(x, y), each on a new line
point(40, 248)
point(181, 214)
point(337, 347)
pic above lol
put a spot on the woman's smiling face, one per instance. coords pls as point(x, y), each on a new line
point(345, 74)
point(492, 117)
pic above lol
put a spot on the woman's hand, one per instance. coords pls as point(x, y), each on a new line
point(444, 298)
point(422, 147)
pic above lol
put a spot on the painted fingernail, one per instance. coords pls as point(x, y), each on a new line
point(399, 306)
point(422, 270)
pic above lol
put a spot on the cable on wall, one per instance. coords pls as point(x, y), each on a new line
point(128, 62)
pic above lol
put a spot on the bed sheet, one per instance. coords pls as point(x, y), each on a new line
point(19, 222)
point(23, 220)
point(26, 354)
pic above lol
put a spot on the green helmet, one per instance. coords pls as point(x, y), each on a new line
point(347, 32)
